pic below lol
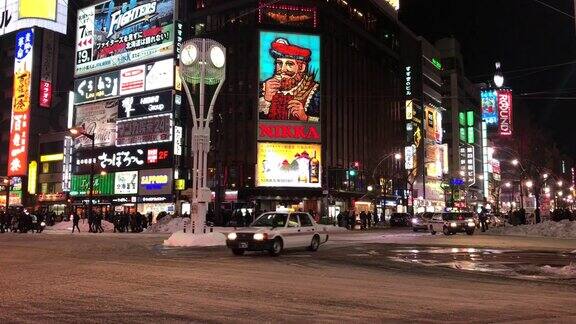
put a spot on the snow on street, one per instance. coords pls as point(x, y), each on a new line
point(95, 278)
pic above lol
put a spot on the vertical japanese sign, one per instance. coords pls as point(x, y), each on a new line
point(18, 151)
point(49, 50)
point(505, 112)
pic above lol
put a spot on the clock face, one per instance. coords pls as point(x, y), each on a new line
point(189, 54)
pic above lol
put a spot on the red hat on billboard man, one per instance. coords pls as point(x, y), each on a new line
point(283, 91)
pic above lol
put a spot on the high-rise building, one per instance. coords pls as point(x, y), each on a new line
point(463, 124)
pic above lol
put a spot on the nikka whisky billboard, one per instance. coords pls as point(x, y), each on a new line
point(289, 131)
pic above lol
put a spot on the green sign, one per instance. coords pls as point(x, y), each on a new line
point(103, 185)
point(437, 64)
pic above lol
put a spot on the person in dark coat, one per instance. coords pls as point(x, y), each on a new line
point(75, 222)
point(339, 219)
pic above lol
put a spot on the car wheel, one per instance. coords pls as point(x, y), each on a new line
point(238, 251)
point(470, 232)
point(315, 244)
point(432, 231)
point(277, 247)
point(446, 231)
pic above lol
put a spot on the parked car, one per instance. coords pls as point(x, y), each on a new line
point(452, 222)
point(400, 219)
point(276, 231)
point(420, 221)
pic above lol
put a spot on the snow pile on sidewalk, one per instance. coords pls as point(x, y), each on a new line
point(182, 239)
point(562, 229)
point(168, 225)
point(334, 229)
point(67, 226)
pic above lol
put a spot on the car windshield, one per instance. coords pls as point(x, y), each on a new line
point(457, 216)
point(271, 220)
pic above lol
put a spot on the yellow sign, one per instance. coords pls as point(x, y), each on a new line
point(289, 165)
point(52, 157)
point(32, 177)
point(180, 184)
point(154, 179)
point(43, 9)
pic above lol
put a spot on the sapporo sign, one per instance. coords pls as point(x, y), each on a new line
point(116, 33)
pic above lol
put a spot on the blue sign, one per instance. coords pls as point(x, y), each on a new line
point(457, 182)
point(489, 106)
point(24, 43)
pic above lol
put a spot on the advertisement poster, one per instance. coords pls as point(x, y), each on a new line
point(132, 80)
point(99, 119)
point(19, 128)
point(146, 104)
point(433, 124)
point(114, 33)
point(103, 185)
point(144, 130)
point(289, 80)
point(126, 183)
point(288, 165)
point(155, 182)
point(489, 107)
point(125, 158)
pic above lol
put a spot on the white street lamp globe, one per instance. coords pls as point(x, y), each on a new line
point(498, 77)
point(529, 184)
point(217, 57)
point(397, 156)
point(189, 54)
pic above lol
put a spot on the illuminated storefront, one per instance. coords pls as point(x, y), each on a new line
point(126, 94)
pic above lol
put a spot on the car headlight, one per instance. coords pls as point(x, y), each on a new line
point(232, 236)
point(453, 224)
point(260, 236)
point(471, 224)
point(414, 220)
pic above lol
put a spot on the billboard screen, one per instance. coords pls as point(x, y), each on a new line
point(289, 87)
point(489, 107)
point(155, 182)
point(22, 14)
point(145, 104)
point(116, 33)
point(19, 128)
point(99, 118)
point(505, 112)
point(288, 165)
point(144, 130)
point(125, 158)
point(132, 80)
point(103, 185)
point(126, 183)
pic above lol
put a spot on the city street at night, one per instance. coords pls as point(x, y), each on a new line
point(357, 276)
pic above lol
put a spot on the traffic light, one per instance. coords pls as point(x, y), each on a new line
point(354, 168)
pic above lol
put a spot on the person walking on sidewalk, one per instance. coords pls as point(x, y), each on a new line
point(75, 221)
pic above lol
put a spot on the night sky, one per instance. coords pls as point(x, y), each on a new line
point(526, 37)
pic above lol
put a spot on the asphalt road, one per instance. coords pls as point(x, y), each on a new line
point(132, 278)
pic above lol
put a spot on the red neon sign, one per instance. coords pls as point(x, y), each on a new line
point(45, 94)
point(505, 112)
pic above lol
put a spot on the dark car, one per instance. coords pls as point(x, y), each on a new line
point(420, 221)
point(400, 219)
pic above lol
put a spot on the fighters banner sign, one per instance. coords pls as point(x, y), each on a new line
point(116, 33)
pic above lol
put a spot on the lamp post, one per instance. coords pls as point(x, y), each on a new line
point(77, 132)
point(202, 63)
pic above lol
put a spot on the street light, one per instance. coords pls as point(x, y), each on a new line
point(529, 183)
point(515, 162)
point(202, 63)
point(508, 184)
point(77, 132)
point(545, 176)
point(559, 183)
point(498, 77)
point(397, 156)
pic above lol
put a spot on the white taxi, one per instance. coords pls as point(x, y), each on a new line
point(276, 231)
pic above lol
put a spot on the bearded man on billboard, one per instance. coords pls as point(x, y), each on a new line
point(292, 93)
